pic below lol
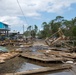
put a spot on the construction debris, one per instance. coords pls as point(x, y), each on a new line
point(41, 70)
point(7, 56)
point(59, 38)
point(43, 56)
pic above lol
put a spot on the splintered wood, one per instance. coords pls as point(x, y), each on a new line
point(59, 53)
point(44, 57)
point(6, 56)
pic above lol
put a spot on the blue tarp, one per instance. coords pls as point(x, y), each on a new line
point(3, 49)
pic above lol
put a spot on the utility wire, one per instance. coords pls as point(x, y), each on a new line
point(22, 12)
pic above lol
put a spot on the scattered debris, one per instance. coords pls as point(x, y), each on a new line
point(7, 56)
point(41, 70)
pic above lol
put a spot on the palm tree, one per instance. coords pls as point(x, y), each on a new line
point(35, 28)
point(59, 18)
point(29, 28)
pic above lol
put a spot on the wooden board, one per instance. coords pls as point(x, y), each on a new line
point(7, 56)
point(43, 57)
point(40, 70)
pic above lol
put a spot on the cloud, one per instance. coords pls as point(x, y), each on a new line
point(10, 12)
point(58, 6)
point(32, 8)
point(14, 21)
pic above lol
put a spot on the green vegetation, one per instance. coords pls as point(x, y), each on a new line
point(68, 27)
point(31, 31)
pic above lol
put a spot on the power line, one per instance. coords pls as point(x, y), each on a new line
point(22, 12)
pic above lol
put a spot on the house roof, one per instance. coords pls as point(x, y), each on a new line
point(4, 23)
point(4, 27)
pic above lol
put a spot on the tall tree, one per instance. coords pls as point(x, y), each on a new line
point(46, 29)
point(35, 28)
point(29, 28)
point(56, 23)
point(59, 18)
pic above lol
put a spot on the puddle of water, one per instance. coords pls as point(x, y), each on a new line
point(28, 66)
point(17, 65)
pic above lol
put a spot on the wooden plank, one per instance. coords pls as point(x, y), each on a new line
point(44, 58)
point(59, 53)
point(7, 56)
point(1, 61)
point(40, 70)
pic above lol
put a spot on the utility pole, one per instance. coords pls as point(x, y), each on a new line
point(23, 28)
point(23, 32)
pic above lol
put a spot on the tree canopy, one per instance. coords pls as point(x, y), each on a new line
point(68, 27)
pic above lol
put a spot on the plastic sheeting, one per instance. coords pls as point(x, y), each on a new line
point(3, 49)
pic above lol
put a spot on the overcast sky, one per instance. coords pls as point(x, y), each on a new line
point(35, 11)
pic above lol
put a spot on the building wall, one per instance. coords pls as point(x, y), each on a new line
point(3, 26)
point(4, 29)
